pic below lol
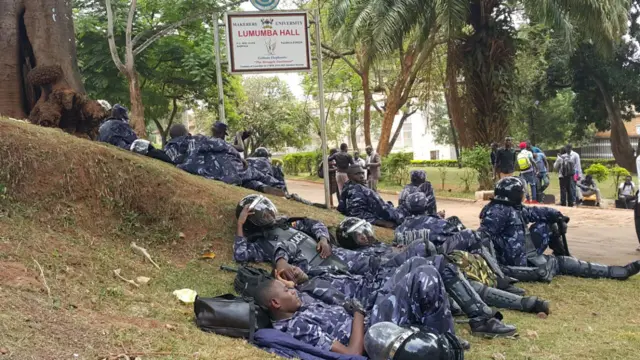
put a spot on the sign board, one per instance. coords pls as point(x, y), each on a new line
point(263, 5)
point(259, 42)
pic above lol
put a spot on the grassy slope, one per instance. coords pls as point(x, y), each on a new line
point(74, 207)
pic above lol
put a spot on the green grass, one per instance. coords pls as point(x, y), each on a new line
point(454, 186)
point(74, 207)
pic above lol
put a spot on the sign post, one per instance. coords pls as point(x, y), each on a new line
point(323, 124)
point(216, 38)
point(259, 42)
point(277, 41)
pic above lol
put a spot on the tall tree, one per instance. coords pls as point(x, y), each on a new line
point(273, 114)
point(34, 33)
point(174, 69)
point(385, 30)
point(166, 17)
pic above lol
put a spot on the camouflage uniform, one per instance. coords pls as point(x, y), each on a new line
point(264, 166)
point(359, 201)
point(213, 159)
point(179, 148)
point(413, 295)
point(417, 177)
point(117, 133)
point(506, 226)
point(442, 233)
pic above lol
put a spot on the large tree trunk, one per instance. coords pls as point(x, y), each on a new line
point(137, 107)
point(392, 107)
point(620, 143)
point(34, 33)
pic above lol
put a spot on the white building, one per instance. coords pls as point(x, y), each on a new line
point(416, 136)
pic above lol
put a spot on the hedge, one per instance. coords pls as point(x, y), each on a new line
point(302, 162)
point(435, 163)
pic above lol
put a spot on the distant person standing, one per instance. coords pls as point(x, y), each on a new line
point(373, 164)
point(575, 159)
point(505, 160)
point(343, 161)
point(527, 167)
point(543, 172)
point(566, 170)
point(360, 161)
point(494, 155)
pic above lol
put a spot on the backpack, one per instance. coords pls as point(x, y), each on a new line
point(231, 316)
point(567, 168)
point(524, 161)
point(247, 280)
point(320, 171)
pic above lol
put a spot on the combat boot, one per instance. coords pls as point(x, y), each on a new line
point(571, 266)
point(482, 320)
point(505, 300)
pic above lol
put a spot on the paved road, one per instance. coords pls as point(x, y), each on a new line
point(602, 235)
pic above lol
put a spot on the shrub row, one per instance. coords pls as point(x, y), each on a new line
point(435, 163)
point(302, 162)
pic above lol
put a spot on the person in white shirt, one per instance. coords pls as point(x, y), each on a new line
point(575, 158)
point(627, 191)
point(360, 161)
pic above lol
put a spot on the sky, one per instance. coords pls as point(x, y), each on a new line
point(292, 79)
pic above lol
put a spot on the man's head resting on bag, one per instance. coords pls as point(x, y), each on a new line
point(279, 300)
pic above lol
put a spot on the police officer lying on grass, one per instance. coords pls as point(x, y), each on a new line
point(359, 201)
point(303, 244)
point(520, 248)
point(358, 235)
point(416, 286)
point(117, 132)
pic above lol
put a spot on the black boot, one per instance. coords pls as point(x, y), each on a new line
point(482, 321)
point(574, 267)
point(505, 300)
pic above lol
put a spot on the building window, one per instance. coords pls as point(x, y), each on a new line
point(407, 134)
point(435, 155)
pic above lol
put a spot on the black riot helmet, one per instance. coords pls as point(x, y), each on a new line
point(510, 190)
point(353, 233)
point(261, 152)
point(264, 212)
point(388, 341)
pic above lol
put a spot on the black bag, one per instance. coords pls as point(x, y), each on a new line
point(320, 171)
point(231, 316)
point(247, 280)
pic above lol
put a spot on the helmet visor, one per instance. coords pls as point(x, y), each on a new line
point(264, 211)
point(362, 232)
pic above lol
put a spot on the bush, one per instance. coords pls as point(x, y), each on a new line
point(598, 171)
point(302, 162)
point(466, 179)
point(478, 158)
point(442, 171)
point(396, 167)
point(435, 163)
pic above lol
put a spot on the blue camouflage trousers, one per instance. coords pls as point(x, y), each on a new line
point(414, 295)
